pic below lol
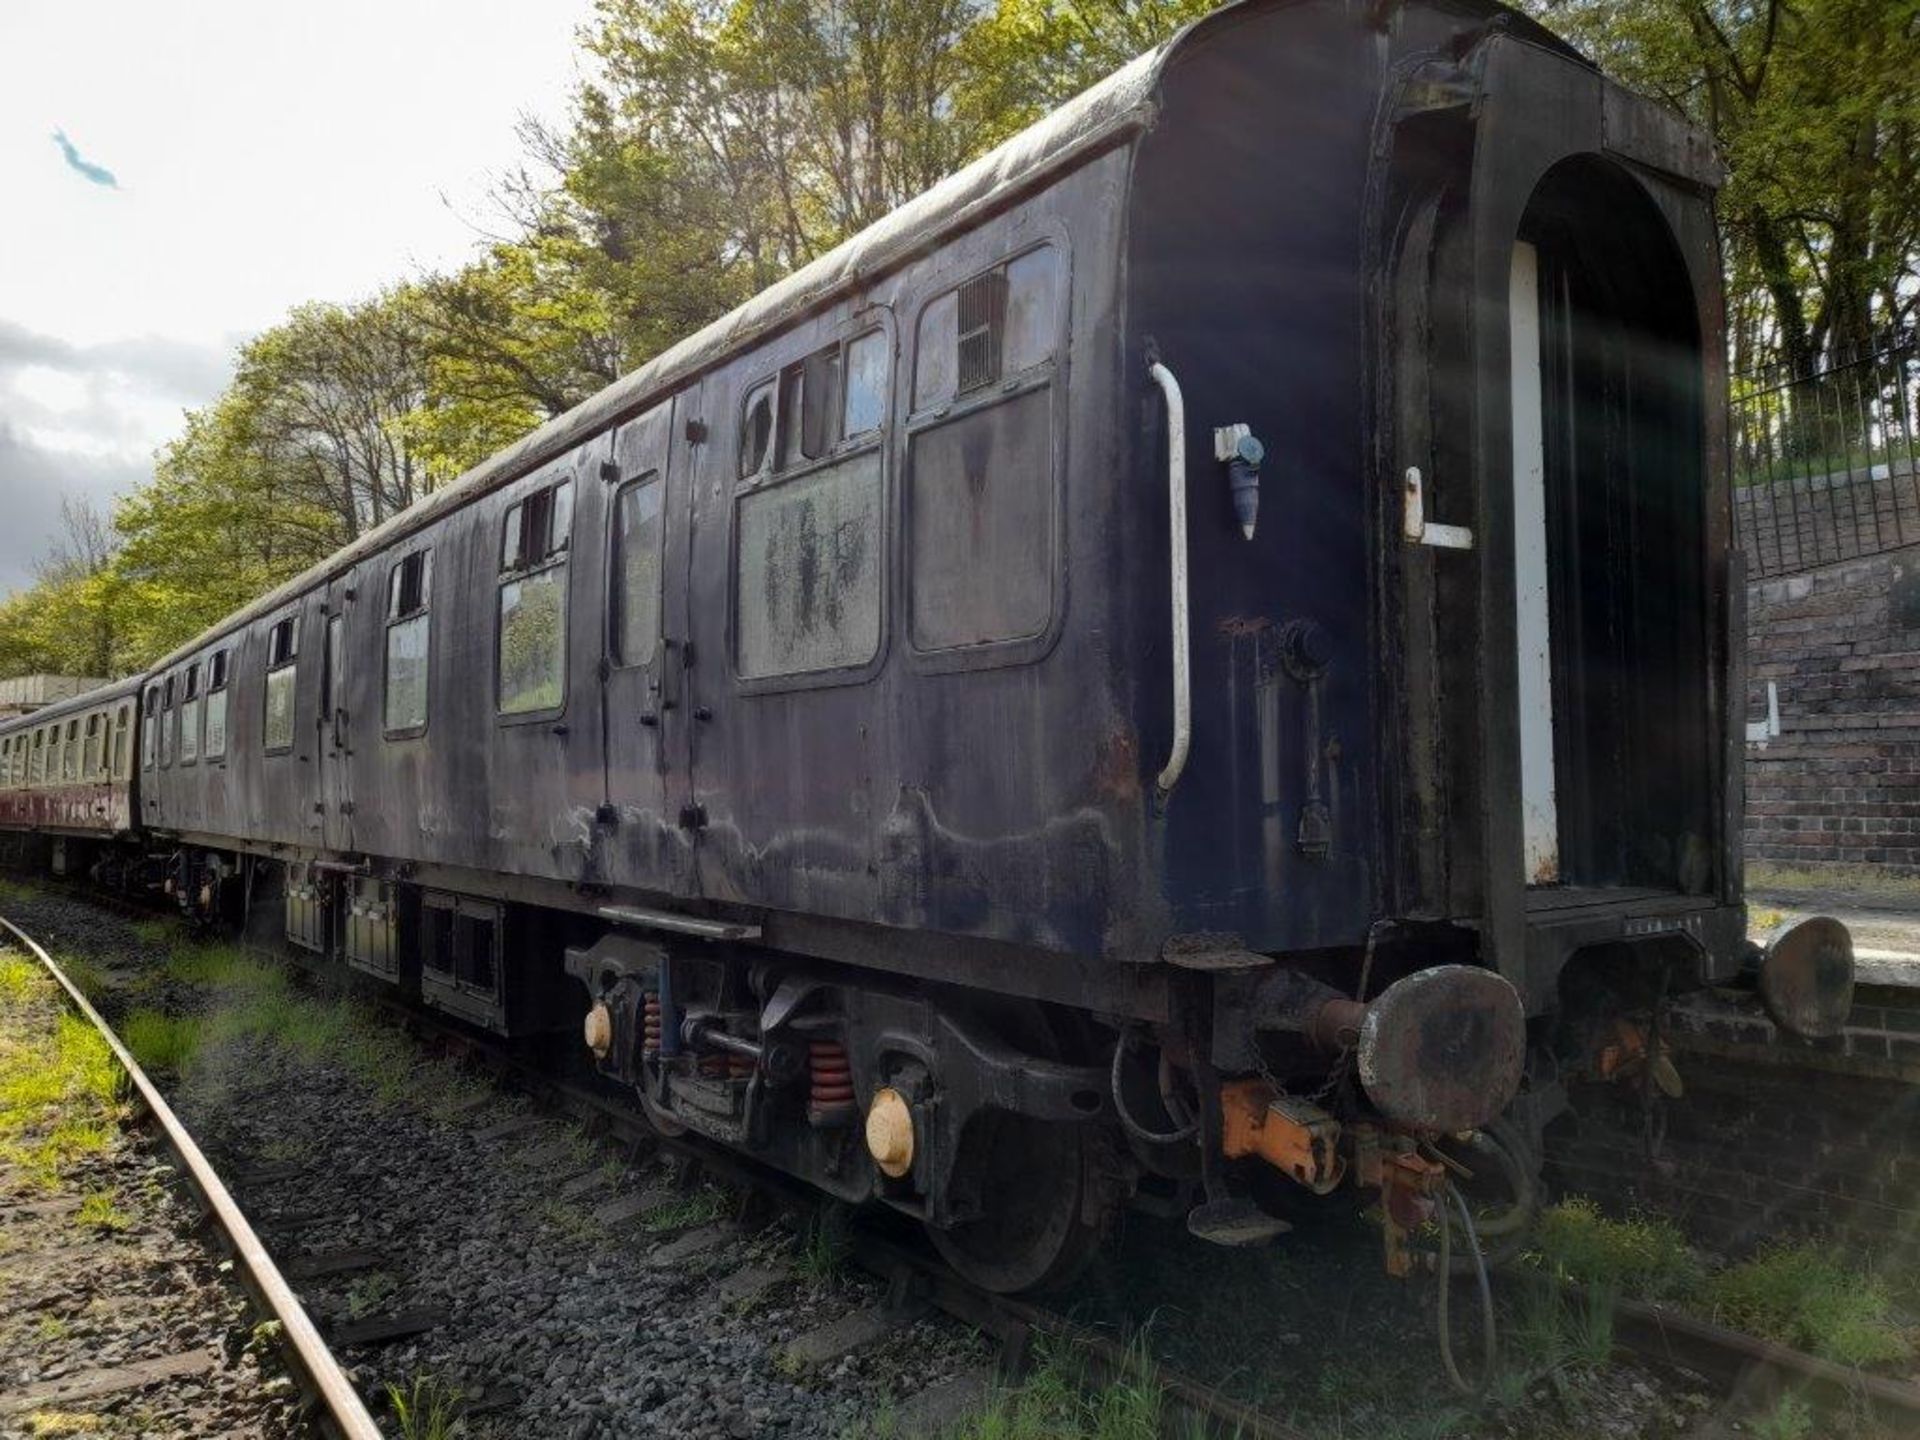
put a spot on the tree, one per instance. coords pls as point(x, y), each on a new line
point(1815, 108)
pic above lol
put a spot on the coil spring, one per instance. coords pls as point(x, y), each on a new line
point(830, 1082)
point(650, 1026)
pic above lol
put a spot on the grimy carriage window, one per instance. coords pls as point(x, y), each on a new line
point(409, 591)
point(167, 691)
point(637, 526)
point(70, 752)
point(122, 751)
point(216, 746)
point(38, 766)
point(980, 485)
point(149, 725)
point(283, 669)
point(808, 560)
point(756, 431)
point(532, 661)
point(190, 716)
point(90, 750)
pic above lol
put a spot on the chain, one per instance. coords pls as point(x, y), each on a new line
point(1337, 1071)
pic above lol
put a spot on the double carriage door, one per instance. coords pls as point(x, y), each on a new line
point(647, 653)
point(333, 745)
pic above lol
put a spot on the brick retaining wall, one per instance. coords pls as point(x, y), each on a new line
point(1841, 784)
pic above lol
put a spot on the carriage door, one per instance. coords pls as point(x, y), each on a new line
point(646, 649)
point(334, 743)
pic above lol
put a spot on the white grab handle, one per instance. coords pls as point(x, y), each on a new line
point(1177, 538)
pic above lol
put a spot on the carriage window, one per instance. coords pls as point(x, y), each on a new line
point(70, 752)
point(636, 570)
point(90, 751)
point(807, 590)
point(409, 589)
point(190, 717)
point(866, 371)
point(122, 752)
point(149, 725)
point(216, 746)
point(283, 669)
point(531, 663)
point(993, 327)
point(6, 762)
point(980, 519)
point(37, 766)
point(756, 432)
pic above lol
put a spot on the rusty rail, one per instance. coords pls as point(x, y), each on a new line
point(306, 1352)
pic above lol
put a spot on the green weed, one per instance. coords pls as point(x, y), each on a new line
point(1642, 1257)
point(1059, 1401)
point(1803, 1295)
point(824, 1245)
point(426, 1409)
point(99, 1212)
point(1791, 1419)
point(698, 1209)
point(59, 1085)
point(161, 931)
point(161, 1042)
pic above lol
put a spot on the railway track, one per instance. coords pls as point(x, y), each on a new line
point(306, 1354)
point(916, 1280)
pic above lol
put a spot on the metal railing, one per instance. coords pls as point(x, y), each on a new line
point(1824, 457)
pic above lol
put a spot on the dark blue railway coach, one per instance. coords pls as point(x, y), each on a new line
point(1204, 645)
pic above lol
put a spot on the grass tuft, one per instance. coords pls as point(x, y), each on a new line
point(699, 1209)
point(1805, 1296)
point(426, 1409)
point(161, 1042)
point(99, 1212)
point(1791, 1419)
point(1058, 1401)
point(1642, 1257)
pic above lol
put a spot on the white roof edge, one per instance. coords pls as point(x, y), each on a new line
point(1122, 102)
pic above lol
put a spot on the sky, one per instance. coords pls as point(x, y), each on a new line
point(175, 175)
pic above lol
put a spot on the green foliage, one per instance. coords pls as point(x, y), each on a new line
point(161, 1043)
point(701, 1208)
point(1805, 1296)
point(1644, 1257)
point(59, 1083)
point(426, 1409)
point(99, 1212)
point(1813, 108)
point(1791, 1419)
point(1058, 1400)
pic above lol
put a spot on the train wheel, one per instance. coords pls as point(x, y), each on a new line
point(1031, 1179)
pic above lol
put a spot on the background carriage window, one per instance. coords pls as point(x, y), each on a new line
point(190, 716)
point(149, 725)
point(168, 689)
point(637, 527)
point(123, 740)
point(756, 431)
point(532, 657)
point(283, 669)
point(6, 761)
point(70, 751)
point(409, 592)
point(90, 748)
point(216, 746)
point(994, 327)
point(37, 766)
point(865, 408)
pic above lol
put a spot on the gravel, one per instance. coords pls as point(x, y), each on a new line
point(554, 1323)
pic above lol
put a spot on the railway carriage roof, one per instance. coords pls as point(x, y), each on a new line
point(108, 694)
point(1121, 104)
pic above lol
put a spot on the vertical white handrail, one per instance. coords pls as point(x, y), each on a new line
point(1177, 540)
